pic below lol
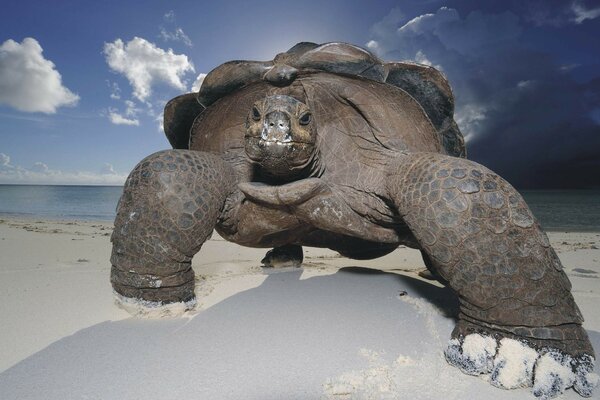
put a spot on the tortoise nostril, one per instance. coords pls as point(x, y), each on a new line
point(272, 124)
point(280, 125)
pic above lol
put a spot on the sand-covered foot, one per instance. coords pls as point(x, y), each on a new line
point(473, 355)
point(555, 372)
point(286, 256)
point(512, 364)
point(153, 309)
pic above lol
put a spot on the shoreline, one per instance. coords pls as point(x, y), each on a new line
point(28, 218)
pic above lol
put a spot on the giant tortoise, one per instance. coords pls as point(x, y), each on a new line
point(329, 146)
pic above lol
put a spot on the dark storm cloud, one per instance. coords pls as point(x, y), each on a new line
point(559, 12)
point(521, 110)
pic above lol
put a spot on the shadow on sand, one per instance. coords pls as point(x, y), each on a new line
point(282, 339)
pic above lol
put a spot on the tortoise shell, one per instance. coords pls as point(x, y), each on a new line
point(387, 92)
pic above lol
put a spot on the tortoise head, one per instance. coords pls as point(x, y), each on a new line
point(280, 136)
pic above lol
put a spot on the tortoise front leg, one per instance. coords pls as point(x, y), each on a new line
point(516, 309)
point(169, 207)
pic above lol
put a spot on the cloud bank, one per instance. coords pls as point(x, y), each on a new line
point(519, 109)
point(41, 174)
point(28, 81)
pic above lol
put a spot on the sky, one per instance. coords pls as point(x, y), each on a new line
point(83, 84)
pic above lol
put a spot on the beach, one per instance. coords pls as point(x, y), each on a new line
point(335, 328)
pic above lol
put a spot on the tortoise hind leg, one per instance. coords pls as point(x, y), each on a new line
point(289, 255)
point(516, 309)
point(169, 207)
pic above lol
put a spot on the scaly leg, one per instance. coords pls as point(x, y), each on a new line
point(516, 309)
point(289, 255)
point(169, 207)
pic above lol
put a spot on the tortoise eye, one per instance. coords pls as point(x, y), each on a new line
point(305, 119)
point(255, 114)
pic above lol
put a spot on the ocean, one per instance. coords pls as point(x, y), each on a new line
point(557, 210)
point(91, 203)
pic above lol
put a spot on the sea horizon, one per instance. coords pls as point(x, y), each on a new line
point(556, 209)
point(57, 184)
point(520, 190)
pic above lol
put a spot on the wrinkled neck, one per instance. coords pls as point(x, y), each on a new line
point(312, 168)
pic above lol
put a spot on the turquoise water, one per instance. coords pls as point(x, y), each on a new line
point(573, 210)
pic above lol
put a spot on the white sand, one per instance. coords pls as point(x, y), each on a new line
point(315, 332)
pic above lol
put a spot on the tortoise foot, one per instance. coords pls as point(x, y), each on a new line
point(514, 362)
point(289, 255)
point(140, 308)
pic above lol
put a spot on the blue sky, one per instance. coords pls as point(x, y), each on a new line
point(83, 84)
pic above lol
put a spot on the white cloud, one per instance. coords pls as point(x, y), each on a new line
point(39, 167)
point(40, 173)
point(115, 90)
point(525, 84)
point(28, 81)
point(160, 122)
point(572, 12)
point(119, 119)
point(421, 58)
point(144, 64)
point(129, 117)
point(430, 22)
point(198, 82)
point(131, 110)
point(373, 45)
point(169, 16)
point(108, 169)
point(470, 118)
point(568, 67)
point(178, 35)
point(581, 13)
point(381, 30)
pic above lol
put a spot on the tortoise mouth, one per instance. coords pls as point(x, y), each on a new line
point(261, 141)
point(294, 152)
point(279, 158)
